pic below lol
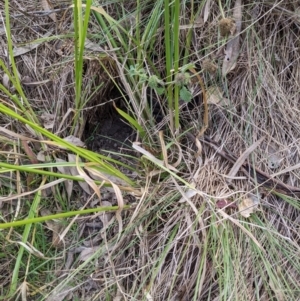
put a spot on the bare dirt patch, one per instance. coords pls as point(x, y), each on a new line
point(110, 134)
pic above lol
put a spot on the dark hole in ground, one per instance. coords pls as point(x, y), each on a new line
point(110, 134)
point(106, 132)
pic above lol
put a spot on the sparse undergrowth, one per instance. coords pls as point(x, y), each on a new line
point(201, 201)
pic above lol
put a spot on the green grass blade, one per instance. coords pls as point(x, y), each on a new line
point(176, 61)
point(31, 220)
point(80, 27)
point(15, 79)
point(90, 156)
point(133, 122)
point(25, 236)
point(169, 55)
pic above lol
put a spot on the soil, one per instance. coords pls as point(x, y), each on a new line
point(111, 134)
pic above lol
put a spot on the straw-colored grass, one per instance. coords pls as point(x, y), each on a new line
point(182, 234)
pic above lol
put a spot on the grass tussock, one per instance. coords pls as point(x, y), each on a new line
point(189, 214)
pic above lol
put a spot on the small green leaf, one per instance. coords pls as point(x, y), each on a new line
point(186, 67)
point(159, 90)
point(154, 81)
point(140, 72)
point(133, 70)
point(185, 94)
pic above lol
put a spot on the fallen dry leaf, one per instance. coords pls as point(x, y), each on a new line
point(247, 206)
point(74, 140)
point(48, 120)
point(274, 161)
point(207, 9)
point(5, 81)
point(41, 156)
point(30, 46)
point(87, 253)
point(274, 157)
point(47, 7)
point(215, 96)
point(233, 45)
point(188, 195)
point(89, 45)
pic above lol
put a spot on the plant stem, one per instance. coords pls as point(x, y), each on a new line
point(168, 63)
point(176, 62)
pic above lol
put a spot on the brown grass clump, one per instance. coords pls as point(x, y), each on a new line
point(183, 239)
point(209, 66)
point(227, 26)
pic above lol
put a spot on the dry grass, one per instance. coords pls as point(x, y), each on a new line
point(170, 249)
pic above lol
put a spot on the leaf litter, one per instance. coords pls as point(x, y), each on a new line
point(248, 206)
point(233, 45)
